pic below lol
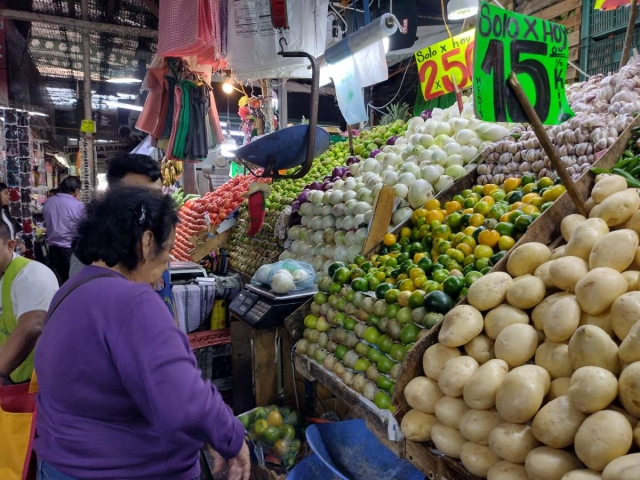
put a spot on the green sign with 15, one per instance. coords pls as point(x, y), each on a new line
point(536, 50)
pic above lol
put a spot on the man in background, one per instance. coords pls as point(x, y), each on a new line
point(134, 170)
point(61, 214)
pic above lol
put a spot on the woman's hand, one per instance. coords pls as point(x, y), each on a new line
point(240, 465)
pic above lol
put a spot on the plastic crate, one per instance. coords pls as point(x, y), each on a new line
point(212, 350)
point(603, 56)
point(603, 23)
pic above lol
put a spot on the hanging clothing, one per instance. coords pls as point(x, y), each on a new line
point(153, 115)
point(177, 111)
point(196, 146)
point(184, 119)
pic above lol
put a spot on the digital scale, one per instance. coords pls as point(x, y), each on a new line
point(185, 272)
point(261, 308)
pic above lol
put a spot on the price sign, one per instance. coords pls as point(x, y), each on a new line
point(437, 63)
point(610, 4)
point(536, 50)
point(88, 126)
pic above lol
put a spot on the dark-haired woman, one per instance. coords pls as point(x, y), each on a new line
point(120, 392)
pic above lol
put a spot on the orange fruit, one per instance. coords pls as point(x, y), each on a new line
point(529, 196)
point(515, 206)
point(389, 239)
point(488, 188)
point(433, 215)
point(452, 206)
point(432, 204)
point(476, 220)
point(488, 199)
point(489, 238)
point(506, 242)
point(511, 184)
point(275, 418)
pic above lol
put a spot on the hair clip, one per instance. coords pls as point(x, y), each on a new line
point(143, 214)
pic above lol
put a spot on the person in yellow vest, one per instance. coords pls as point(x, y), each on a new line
point(26, 290)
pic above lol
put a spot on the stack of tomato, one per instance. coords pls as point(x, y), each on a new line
point(216, 205)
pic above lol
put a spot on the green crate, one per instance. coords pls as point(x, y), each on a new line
point(604, 23)
point(603, 56)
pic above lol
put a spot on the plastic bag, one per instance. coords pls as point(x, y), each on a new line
point(302, 272)
point(277, 431)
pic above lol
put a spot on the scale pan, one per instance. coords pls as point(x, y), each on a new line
point(287, 147)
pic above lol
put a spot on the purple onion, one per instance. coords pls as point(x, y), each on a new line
point(327, 186)
point(315, 186)
point(374, 152)
point(303, 197)
point(295, 218)
point(327, 178)
point(352, 160)
point(426, 114)
point(338, 171)
point(295, 206)
point(392, 140)
point(347, 175)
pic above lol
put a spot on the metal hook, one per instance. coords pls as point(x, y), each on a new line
point(282, 39)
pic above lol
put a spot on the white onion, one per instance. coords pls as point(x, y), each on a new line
point(367, 217)
point(366, 196)
point(326, 210)
point(316, 196)
point(468, 153)
point(317, 262)
point(306, 209)
point(326, 198)
point(348, 206)
point(463, 137)
point(358, 219)
point(412, 168)
point(285, 255)
point(361, 208)
point(349, 195)
point(329, 251)
point(328, 221)
point(373, 181)
point(390, 178)
point(305, 232)
point(347, 222)
point(454, 160)
point(339, 221)
point(337, 210)
point(407, 179)
point(338, 185)
point(401, 215)
point(350, 238)
point(376, 189)
point(415, 139)
point(370, 165)
point(317, 237)
point(451, 148)
point(353, 252)
point(335, 197)
point(339, 238)
point(430, 173)
point(456, 171)
point(426, 140)
point(349, 184)
point(293, 232)
point(426, 155)
point(341, 254)
point(439, 156)
point(401, 190)
point(443, 183)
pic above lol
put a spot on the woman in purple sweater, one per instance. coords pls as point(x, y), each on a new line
point(121, 396)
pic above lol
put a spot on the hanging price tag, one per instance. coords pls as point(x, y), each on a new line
point(88, 126)
point(536, 50)
point(439, 62)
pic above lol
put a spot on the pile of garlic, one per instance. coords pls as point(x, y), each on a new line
point(604, 108)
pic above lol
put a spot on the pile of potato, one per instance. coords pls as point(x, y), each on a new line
point(538, 377)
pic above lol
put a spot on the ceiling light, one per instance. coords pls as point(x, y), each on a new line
point(124, 80)
point(227, 87)
point(461, 9)
point(38, 114)
point(127, 106)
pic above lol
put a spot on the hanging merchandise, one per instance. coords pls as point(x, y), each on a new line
point(193, 27)
point(180, 112)
point(17, 135)
point(254, 42)
point(254, 116)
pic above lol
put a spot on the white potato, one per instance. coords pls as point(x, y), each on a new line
point(636, 435)
point(507, 471)
point(629, 350)
point(489, 291)
point(633, 421)
point(526, 258)
point(516, 344)
point(584, 237)
point(554, 358)
point(460, 325)
point(557, 252)
point(455, 373)
point(625, 311)
point(546, 463)
point(583, 474)
point(591, 346)
point(568, 224)
point(562, 319)
point(480, 348)
point(603, 437)
point(476, 425)
point(526, 292)
point(481, 388)
point(557, 423)
point(416, 425)
point(629, 389)
point(558, 387)
point(607, 187)
point(633, 223)
point(540, 312)
point(450, 410)
point(512, 441)
point(543, 272)
point(566, 271)
point(478, 459)
point(602, 321)
point(589, 204)
point(614, 469)
point(435, 357)
point(615, 250)
point(422, 393)
point(448, 440)
point(501, 317)
point(592, 389)
point(598, 289)
point(617, 208)
point(632, 276)
point(521, 393)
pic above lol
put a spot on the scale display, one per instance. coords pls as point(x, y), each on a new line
point(260, 312)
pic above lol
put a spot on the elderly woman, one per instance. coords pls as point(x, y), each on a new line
point(120, 395)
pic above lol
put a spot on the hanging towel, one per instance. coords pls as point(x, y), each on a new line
point(177, 109)
point(156, 102)
point(183, 122)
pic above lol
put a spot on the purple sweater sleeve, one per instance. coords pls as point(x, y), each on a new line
point(160, 372)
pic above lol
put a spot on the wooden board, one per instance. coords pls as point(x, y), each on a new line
point(424, 460)
point(243, 398)
point(557, 9)
point(374, 418)
point(211, 243)
point(295, 322)
point(381, 219)
point(263, 347)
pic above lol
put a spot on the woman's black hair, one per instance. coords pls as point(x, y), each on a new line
point(113, 225)
point(17, 226)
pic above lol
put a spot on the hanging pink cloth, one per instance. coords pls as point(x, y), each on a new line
point(177, 107)
point(191, 27)
point(153, 115)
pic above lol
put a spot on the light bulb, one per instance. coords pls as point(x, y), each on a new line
point(227, 87)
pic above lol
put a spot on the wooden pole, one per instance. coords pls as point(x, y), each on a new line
point(544, 140)
point(88, 110)
point(628, 39)
point(350, 131)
